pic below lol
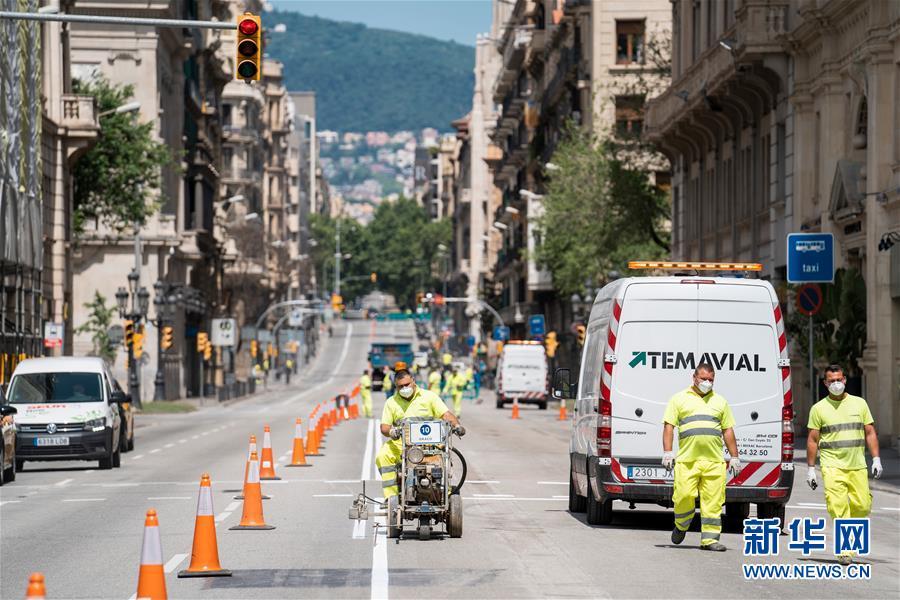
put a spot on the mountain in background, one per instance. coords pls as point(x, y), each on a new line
point(372, 79)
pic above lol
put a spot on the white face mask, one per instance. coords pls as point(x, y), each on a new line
point(704, 386)
point(836, 388)
point(406, 392)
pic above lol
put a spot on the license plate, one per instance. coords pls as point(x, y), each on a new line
point(51, 441)
point(649, 473)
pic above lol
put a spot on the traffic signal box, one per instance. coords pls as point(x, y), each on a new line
point(551, 343)
point(254, 348)
point(580, 332)
point(167, 337)
point(129, 333)
point(248, 61)
point(139, 341)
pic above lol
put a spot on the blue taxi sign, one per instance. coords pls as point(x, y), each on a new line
point(810, 258)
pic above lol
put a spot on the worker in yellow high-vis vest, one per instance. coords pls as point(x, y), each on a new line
point(840, 427)
point(434, 381)
point(703, 419)
point(365, 393)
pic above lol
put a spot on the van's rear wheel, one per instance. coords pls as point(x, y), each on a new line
point(598, 513)
point(577, 503)
point(770, 510)
point(542, 405)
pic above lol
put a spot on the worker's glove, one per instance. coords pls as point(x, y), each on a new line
point(735, 466)
point(461, 431)
point(811, 478)
point(877, 470)
point(395, 433)
point(668, 460)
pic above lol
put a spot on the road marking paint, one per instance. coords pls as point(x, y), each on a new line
point(480, 481)
point(222, 516)
point(155, 450)
point(515, 499)
point(552, 483)
point(205, 433)
point(337, 368)
point(89, 471)
point(379, 584)
point(169, 498)
point(493, 496)
point(138, 457)
point(2, 502)
point(889, 508)
point(174, 562)
point(194, 437)
point(367, 455)
point(335, 480)
point(233, 505)
point(332, 495)
point(560, 497)
point(812, 504)
point(85, 500)
point(169, 446)
point(359, 530)
point(113, 485)
point(63, 482)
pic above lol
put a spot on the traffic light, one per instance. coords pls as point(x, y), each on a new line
point(551, 343)
point(167, 337)
point(580, 332)
point(207, 351)
point(254, 348)
point(336, 302)
point(420, 297)
point(202, 340)
point(138, 341)
point(373, 277)
point(129, 333)
point(248, 63)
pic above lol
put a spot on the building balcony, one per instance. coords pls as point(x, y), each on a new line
point(80, 121)
point(566, 67)
point(516, 44)
point(236, 133)
point(240, 175)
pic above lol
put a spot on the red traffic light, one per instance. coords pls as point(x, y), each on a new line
point(248, 27)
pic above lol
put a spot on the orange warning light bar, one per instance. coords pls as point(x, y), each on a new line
point(697, 266)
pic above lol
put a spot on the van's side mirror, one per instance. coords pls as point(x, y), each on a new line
point(6, 410)
point(118, 397)
point(563, 386)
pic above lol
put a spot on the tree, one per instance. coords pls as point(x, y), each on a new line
point(116, 180)
point(598, 214)
point(100, 318)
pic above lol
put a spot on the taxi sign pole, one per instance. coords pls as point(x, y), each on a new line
point(812, 372)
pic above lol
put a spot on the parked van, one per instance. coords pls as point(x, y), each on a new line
point(67, 410)
point(645, 336)
point(522, 373)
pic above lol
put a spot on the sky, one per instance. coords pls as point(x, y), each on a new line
point(457, 20)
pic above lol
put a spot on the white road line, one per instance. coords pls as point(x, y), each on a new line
point(169, 446)
point(231, 507)
point(806, 507)
point(515, 499)
point(335, 480)
point(380, 581)
point(138, 457)
point(174, 562)
point(552, 483)
point(2, 502)
point(359, 530)
point(85, 500)
point(480, 481)
point(205, 433)
point(89, 471)
point(63, 482)
point(337, 368)
point(194, 437)
point(560, 497)
point(169, 498)
point(889, 508)
point(493, 496)
point(155, 450)
point(367, 455)
point(812, 504)
point(222, 516)
point(182, 440)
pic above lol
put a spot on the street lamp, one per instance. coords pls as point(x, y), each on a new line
point(161, 300)
point(125, 108)
point(140, 303)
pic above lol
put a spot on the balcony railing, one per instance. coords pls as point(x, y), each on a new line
point(236, 131)
point(79, 112)
point(241, 175)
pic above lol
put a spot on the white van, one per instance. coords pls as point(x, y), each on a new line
point(67, 410)
point(522, 373)
point(644, 337)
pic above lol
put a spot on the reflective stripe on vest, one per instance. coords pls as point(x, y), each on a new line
point(843, 444)
point(694, 418)
point(699, 431)
point(842, 427)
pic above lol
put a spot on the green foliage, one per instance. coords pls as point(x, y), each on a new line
point(372, 79)
point(399, 245)
point(598, 214)
point(100, 318)
point(839, 329)
point(114, 182)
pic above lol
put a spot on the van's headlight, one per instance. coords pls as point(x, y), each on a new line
point(95, 424)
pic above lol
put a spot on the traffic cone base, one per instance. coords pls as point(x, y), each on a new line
point(248, 527)
point(306, 465)
point(241, 497)
point(36, 588)
point(205, 573)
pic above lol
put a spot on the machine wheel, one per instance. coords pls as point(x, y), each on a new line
point(735, 513)
point(394, 528)
point(598, 513)
point(455, 518)
point(424, 529)
point(577, 504)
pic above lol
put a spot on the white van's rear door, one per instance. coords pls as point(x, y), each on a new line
point(524, 369)
point(738, 336)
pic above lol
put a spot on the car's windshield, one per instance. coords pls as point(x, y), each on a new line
point(39, 388)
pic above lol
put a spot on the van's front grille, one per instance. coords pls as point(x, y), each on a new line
point(42, 427)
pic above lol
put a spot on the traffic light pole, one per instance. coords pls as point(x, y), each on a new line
point(159, 382)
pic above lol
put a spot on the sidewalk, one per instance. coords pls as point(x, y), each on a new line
point(890, 460)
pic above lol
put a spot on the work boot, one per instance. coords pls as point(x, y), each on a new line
point(678, 536)
point(714, 547)
point(845, 559)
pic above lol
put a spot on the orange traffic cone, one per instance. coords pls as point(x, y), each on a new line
point(311, 436)
point(267, 468)
point(562, 411)
point(298, 456)
point(250, 452)
point(515, 409)
point(36, 589)
point(205, 551)
point(339, 412)
point(151, 579)
point(252, 515)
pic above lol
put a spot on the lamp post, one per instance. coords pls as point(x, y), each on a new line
point(139, 305)
point(164, 302)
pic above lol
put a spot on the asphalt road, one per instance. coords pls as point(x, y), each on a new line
point(82, 527)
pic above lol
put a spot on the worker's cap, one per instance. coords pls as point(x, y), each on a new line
point(400, 366)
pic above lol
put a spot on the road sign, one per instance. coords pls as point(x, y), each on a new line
point(809, 299)
point(810, 258)
point(53, 335)
point(116, 334)
point(224, 332)
point(536, 325)
point(501, 333)
point(296, 318)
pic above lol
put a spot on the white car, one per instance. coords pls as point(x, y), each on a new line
point(645, 336)
point(522, 374)
point(67, 410)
